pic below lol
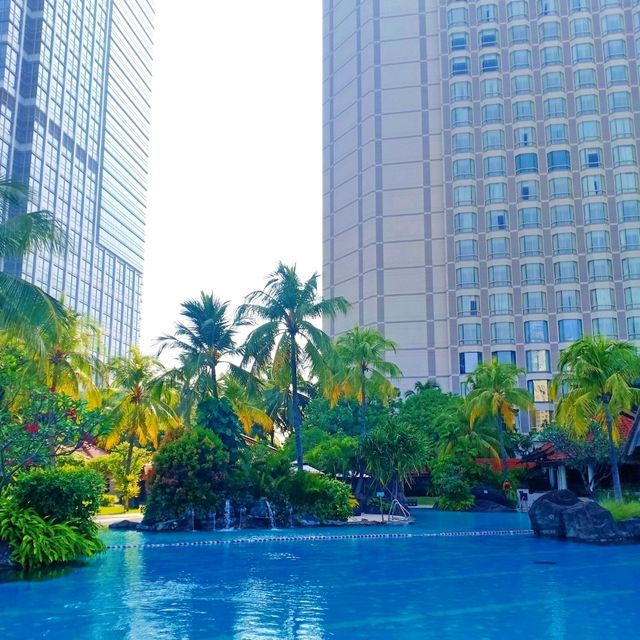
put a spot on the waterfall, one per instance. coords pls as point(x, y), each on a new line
point(227, 515)
point(272, 520)
point(243, 511)
point(291, 516)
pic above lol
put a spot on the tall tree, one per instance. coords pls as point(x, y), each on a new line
point(362, 369)
point(495, 396)
point(595, 384)
point(284, 312)
point(247, 406)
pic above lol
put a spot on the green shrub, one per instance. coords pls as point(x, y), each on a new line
point(219, 416)
point(38, 542)
point(451, 485)
point(108, 500)
point(61, 494)
point(622, 510)
point(319, 496)
point(190, 473)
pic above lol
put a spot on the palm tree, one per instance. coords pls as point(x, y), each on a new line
point(247, 406)
point(595, 383)
point(363, 371)
point(26, 311)
point(204, 338)
point(495, 396)
point(286, 308)
point(456, 428)
point(141, 404)
point(421, 386)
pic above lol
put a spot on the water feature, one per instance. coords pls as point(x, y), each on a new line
point(272, 519)
point(228, 515)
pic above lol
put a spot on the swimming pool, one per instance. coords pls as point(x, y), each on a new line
point(404, 588)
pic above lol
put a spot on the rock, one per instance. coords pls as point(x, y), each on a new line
point(630, 528)
point(5, 557)
point(546, 513)
point(306, 521)
point(488, 506)
point(183, 524)
point(587, 521)
point(334, 523)
point(126, 525)
point(489, 494)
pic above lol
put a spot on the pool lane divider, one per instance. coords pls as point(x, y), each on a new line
point(322, 538)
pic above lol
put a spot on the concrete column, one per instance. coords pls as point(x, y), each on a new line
point(553, 478)
point(591, 472)
point(562, 477)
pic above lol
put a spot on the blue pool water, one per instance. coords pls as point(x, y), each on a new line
point(405, 588)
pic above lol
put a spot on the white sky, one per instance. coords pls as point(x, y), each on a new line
point(236, 150)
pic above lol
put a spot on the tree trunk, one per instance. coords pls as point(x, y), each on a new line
point(613, 455)
point(295, 418)
point(214, 381)
point(363, 406)
point(503, 450)
point(127, 471)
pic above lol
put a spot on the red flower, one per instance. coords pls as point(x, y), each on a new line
point(52, 388)
point(72, 414)
point(34, 427)
point(28, 463)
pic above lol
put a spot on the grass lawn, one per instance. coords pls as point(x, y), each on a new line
point(622, 510)
point(425, 501)
point(115, 510)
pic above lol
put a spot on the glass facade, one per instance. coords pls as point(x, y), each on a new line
point(74, 125)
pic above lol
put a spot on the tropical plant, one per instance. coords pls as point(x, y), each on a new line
point(218, 416)
point(248, 406)
point(455, 429)
point(595, 384)
point(316, 495)
point(335, 455)
point(495, 396)
point(286, 308)
point(362, 370)
point(451, 483)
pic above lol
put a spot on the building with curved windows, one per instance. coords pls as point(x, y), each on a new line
point(75, 85)
point(481, 179)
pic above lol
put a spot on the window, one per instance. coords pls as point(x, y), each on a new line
point(565, 271)
point(555, 108)
point(583, 52)
point(517, 9)
point(501, 304)
point(528, 190)
point(523, 110)
point(529, 218)
point(600, 270)
point(458, 41)
point(493, 139)
point(502, 333)
point(584, 78)
point(532, 273)
point(520, 59)
point(491, 88)
point(618, 74)
point(547, 7)
point(631, 268)
point(500, 275)
point(621, 128)
point(519, 34)
point(536, 331)
point(521, 85)
point(597, 241)
point(619, 101)
point(605, 327)
point(495, 166)
point(632, 298)
point(462, 142)
point(460, 91)
point(568, 300)
point(591, 158)
point(464, 169)
point(579, 5)
point(551, 55)
point(593, 186)
point(461, 116)
point(504, 357)
point(561, 215)
point(497, 248)
point(464, 195)
point(560, 188)
point(602, 300)
point(458, 17)
point(488, 38)
point(549, 31)
point(466, 249)
point(538, 361)
point(495, 192)
point(553, 81)
point(534, 302)
point(614, 49)
point(469, 360)
point(527, 163)
point(630, 239)
point(586, 104)
point(557, 133)
point(624, 154)
point(467, 277)
point(525, 136)
point(490, 62)
point(469, 334)
point(588, 130)
point(488, 13)
point(633, 328)
point(580, 27)
point(492, 113)
point(612, 24)
point(539, 390)
point(465, 222)
point(595, 213)
point(626, 182)
point(564, 243)
point(558, 161)
point(497, 220)
point(569, 330)
point(460, 66)
point(468, 305)
point(629, 211)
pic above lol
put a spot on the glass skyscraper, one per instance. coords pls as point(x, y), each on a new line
point(74, 126)
point(481, 178)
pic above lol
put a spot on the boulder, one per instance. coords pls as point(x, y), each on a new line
point(587, 521)
point(125, 525)
point(306, 521)
point(630, 528)
point(488, 506)
point(489, 494)
point(546, 513)
point(183, 524)
point(5, 557)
